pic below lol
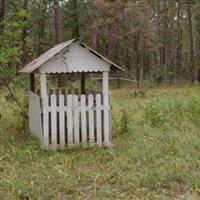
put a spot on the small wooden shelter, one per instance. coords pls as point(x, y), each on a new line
point(61, 120)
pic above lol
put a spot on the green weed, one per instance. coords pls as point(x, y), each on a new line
point(155, 154)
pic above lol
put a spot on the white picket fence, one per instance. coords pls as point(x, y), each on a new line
point(65, 121)
point(76, 120)
point(35, 122)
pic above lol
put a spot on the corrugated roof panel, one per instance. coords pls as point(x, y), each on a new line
point(36, 63)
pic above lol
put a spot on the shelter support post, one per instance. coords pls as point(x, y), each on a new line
point(106, 115)
point(82, 83)
point(105, 82)
point(32, 82)
point(45, 118)
point(43, 85)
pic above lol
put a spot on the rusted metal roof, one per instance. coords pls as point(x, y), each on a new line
point(36, 63)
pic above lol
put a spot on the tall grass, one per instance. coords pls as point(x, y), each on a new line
point(155, 154)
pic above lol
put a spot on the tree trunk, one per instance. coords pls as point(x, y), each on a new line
point(197, 28)
point(58, 36)
point(194, 71)
point(144, 60)
point(137, 60)
point(75, 32)
point(94, 25)
point(58, 29)
point(113, 20)
point(164, 39)
point(41, 28)
point(24, 35)
point(179, 40)
point(2, 15)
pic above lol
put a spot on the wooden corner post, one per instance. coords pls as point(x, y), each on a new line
point(105, 82)
point(44, 98)
point(106, 103)
point(32, 82)
point(43, 85)
point(82, 83)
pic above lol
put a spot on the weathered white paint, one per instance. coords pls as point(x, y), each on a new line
point(36, 63)
point(99, 119)
point(75, 59)
point(91, 118)
point(35, 123)
point(61, 121)
point(45, 102)
point(83, 120)
point(53, 121)
point(43, 85)
point(105, 82)
point(45, 112)
point(76, 119)
point(75, 125)
point(69, 120)
point(61, 48)
point(106, 112)
point(106, 120)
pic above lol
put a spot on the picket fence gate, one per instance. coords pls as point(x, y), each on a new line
point(71, 120)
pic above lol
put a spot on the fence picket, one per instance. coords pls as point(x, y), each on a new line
point(91, 118)
point(61, 121)
point(83, 119)
point(98, 119)
point(76, 120)
point(69, 120)
point(53, 121)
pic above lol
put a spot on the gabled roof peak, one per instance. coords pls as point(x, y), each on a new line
point(42, 59)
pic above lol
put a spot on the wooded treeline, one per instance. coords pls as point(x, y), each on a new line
point(150, 38)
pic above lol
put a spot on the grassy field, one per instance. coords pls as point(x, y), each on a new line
point(156, 153)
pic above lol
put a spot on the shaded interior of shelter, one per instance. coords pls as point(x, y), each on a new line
point(71, 84)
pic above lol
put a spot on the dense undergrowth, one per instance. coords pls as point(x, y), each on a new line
point(156, 153)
